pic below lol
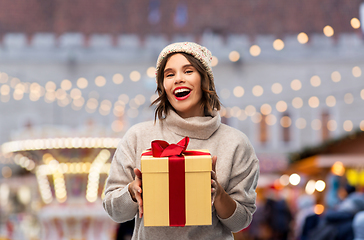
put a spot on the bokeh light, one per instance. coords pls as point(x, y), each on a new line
point(82, 83)
point(100, 81)
point(316, 124)
point(328, 31)
point(315, 81)
point(234, 56)
point(281, 106)
point(313, 102)
point(265, 109)
point(356, 71)
point(257, 90)
point(238, 91)
point(278, 44)
point(297, 102)
point(294, 179)
point(118, 78)
point(355, 23)
point(214, 61)
point(348, 125)
point(296, 84)
point(335, 76)
point(255, 50)
point(330, 101)
point(135, 76)
point(277, 88)
point(302, 38)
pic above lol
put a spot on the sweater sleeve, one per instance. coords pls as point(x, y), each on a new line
point(118, 202)
point(242, 185)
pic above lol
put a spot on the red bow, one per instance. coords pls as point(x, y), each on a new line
point(162, 148)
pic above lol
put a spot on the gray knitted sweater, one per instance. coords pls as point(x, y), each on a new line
point(237, 171)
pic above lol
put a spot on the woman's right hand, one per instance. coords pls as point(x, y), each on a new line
point(135, 190)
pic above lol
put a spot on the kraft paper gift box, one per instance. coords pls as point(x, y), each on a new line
point(176, 185)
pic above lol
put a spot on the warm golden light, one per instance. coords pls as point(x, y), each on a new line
point(297, 102)
point(338, 169)
point(328, 31)
point(66, 84)
point(316, 124)
point(362, 125)
point(319, 209)
point(82, 83)
point(286, 121)
point(238, 91)
point(281, 106)
point(75, 93)
point(5, 89)
point(320, 185)
point(250, 110)
point(296, 84)
point(278, 44)
point(257, 91)
point(277, 88)
point(331, 125)
point(302, 38)
point(356, 71)
point(100, 81)
point(315, 81)
point(265, 109)
point(50, 86)
point(255, 50)
point(214, 61)
point(135, 76)
point(294, 179)
point(270, 120)
point(118, 78)
point(301, 123)
point(313, 102)
point(355, 23)
point(234, 56)
point(348, 125)
point(310, 187)
point(335, 76)
point(151, 72)
point(330, 101)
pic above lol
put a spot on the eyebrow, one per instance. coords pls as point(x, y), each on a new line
point(184, 66)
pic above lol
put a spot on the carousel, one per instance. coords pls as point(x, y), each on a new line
point(70, 173)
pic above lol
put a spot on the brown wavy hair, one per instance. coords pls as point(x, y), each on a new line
point(210, 101)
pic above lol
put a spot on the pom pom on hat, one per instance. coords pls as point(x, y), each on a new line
point(197, 51)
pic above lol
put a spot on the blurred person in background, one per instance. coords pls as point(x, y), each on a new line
point(306, 205)
point(337, 224)
point(358, 226)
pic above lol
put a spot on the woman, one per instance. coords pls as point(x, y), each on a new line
point(187, 106)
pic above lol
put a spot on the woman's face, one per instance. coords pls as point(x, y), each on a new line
point(182, 83)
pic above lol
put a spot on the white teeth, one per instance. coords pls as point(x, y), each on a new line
point(181, 90)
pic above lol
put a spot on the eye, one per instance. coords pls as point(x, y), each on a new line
point(170, 75)
point(189, 71)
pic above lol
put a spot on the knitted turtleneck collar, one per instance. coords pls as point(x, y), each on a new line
point(193, 127)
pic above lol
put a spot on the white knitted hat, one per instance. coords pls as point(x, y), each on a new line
point(199, 52)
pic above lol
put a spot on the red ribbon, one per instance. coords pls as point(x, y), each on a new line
point(176, 167)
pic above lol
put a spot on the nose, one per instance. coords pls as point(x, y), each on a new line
point(179, 78)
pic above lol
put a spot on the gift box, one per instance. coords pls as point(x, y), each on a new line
point(176, 185)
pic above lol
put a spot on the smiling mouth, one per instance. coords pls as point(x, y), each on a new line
point(181, 93)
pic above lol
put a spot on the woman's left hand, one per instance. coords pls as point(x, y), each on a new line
point(224, 204)
point(214, 183)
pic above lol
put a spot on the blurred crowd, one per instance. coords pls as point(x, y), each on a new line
point(278, 218)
